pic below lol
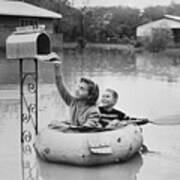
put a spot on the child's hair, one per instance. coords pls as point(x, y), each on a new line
point(93, 91)
point(114, 93)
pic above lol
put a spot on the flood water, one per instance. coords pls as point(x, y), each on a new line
point(149, 86)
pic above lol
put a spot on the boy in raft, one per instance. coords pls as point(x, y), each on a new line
point(111, 117)
point(83, 109)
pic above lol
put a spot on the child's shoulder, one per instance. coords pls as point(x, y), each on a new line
point(93, 109)
point(118, 111)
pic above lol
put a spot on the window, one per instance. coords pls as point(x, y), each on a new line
point(28, 22)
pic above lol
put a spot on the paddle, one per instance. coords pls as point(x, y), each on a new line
point(88, 128)
point(166, 120)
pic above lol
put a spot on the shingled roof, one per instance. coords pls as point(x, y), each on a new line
point(19, 8)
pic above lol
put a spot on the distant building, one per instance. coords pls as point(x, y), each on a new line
point(17, 13)
point(167, 22)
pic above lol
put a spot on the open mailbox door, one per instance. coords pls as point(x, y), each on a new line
point(30, 43)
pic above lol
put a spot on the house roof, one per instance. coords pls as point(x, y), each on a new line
point(166, 16)
point(170, 20)
point(167, 22)
point(19, 8)
point(176, 18)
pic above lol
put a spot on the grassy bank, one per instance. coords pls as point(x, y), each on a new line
point(101, 46)
point(173, 52)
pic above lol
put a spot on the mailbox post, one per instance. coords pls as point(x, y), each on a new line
point(29, 45)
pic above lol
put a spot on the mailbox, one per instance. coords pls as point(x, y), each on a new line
point(27, 43)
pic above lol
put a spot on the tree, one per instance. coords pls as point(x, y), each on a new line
point(69, 24)
point(111, 24)
point(173, 9)
point(153, 13)
point(102, 24)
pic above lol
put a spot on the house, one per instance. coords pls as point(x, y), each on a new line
point(167, 22)
point(17, 13)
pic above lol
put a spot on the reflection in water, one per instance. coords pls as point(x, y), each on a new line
point(125, 171)
point(94, 61)
point(30, 170)
point(156, 65)
point(103, 62)
point(36, 169)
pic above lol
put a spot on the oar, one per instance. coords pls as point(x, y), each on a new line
point(166, 120)
point(88, 128)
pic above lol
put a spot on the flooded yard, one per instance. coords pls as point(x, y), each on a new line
point(148, 85)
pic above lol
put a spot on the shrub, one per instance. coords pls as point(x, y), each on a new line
point(159, 40)
point(138, 43)
point(124, 40)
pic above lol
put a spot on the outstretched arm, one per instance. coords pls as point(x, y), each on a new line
point(67, 97)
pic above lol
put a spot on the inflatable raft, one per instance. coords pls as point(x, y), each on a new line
point(89, 148)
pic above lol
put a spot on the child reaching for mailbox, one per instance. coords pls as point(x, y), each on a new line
point(83, 109)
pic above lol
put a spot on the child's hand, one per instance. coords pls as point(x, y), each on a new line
point(124, 123)
point(50, 58)
point(113, 124)
point(54, 58)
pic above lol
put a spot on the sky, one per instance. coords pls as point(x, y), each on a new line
point(132, 3)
